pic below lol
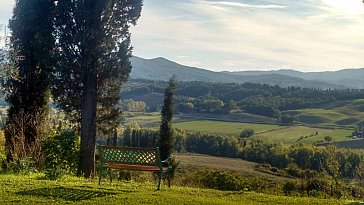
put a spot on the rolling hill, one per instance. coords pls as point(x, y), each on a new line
point(349, 115)
point(352, 78)
point(161, 69)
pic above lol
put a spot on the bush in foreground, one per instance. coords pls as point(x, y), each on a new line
point(61, 154)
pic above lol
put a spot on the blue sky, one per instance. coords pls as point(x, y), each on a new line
point(306, 35)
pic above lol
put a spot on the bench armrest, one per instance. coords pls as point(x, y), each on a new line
point(167, 161)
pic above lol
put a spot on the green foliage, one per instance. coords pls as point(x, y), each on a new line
point(166, 139)
point(286, 119)
point(93, 42)
point(328, 138)
point(3, 164)
point(293, 170)
point(134, 106)
point(298, 160)
point(27, 88)
point(290, 187)
point(185, 107)
point(22, 166)
point(61, 154)
point(230, 181)
point(246, 133)
point(253, 98)
point(180, 140)
point(214, 145)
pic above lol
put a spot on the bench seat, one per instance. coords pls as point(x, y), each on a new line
point(134, 167)
point(133, 159)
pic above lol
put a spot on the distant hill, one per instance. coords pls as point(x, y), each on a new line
point(162, 69)
point(352, 78)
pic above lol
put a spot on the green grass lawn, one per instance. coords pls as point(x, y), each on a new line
point(32, 189)
point(272, 133)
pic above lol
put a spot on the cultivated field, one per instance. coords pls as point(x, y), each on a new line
point(268, 132)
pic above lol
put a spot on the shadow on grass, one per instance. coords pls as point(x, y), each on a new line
point(68, 194)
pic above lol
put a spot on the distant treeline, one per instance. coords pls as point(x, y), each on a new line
point(335, 162)
point(257, 99)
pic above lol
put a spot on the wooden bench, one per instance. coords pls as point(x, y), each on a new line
point(133, 159)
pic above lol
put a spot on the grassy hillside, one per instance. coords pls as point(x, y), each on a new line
point(145, 119)
point(196, 162)
point(17, 189)
point(272, 133)
point(351, 115)
point(267, 132)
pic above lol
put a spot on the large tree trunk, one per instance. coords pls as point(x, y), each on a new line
point(89, 99)
point(88, 127)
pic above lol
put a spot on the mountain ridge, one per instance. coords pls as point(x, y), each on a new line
point(161, 69)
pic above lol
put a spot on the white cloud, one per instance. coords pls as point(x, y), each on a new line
point(232, 39)
point(246, 34)
point(349, 7)
point(6, 8)
point(242, 5)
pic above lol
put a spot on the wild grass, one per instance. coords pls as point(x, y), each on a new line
point(32, 189)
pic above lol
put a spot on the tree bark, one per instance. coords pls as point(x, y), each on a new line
point(89, 99)
point(88, 128)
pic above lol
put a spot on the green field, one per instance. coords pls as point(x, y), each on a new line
point(299, 133)
point(224, 128)
point(32, 189)
point(272, 133)
point(145, 119)
point(351, 114)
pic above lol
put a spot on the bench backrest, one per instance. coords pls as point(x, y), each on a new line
point(130, 155)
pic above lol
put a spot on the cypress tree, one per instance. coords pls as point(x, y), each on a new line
point(166, 140)
point(31, 48)
point(93, 61)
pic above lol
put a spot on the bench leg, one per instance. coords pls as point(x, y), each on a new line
point(169, 180)
point(100, 175)
point(159, 180)
point(110, 175)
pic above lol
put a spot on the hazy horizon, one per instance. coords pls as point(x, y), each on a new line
point(238, 35)
point(277, 69)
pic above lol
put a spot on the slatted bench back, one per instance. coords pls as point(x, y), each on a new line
point(129, 155)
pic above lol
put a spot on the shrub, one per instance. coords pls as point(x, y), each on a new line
point(61, 154)
point(24, 166)
point(318, 185)
point(328, 138)
point(247, 133)
point(230, 181)
point(290, 187)
point(294, 170)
